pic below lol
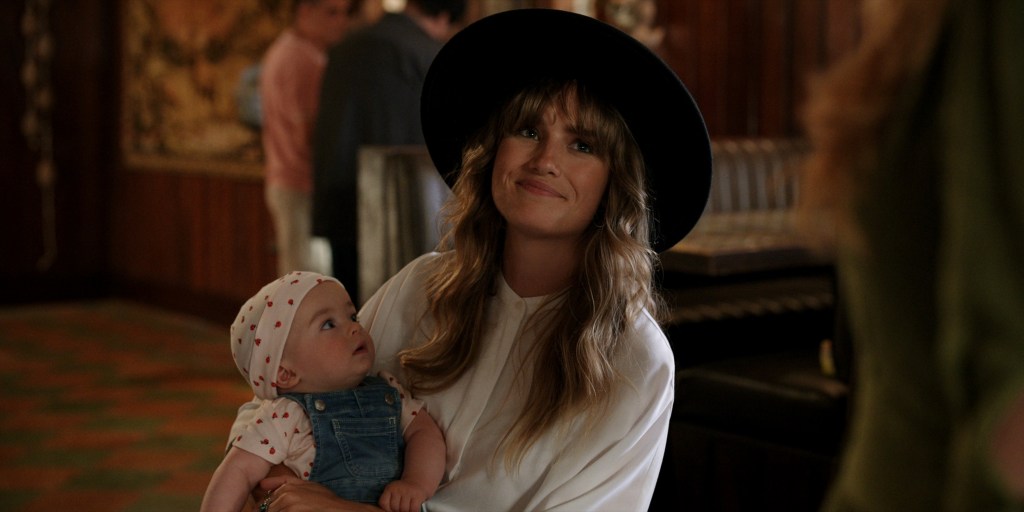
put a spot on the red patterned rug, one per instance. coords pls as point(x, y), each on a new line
point(112, 406)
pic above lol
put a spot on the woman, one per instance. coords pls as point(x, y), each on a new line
point(917, 151)
point(531, 336)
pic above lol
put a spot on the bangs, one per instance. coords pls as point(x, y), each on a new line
point(593, 120)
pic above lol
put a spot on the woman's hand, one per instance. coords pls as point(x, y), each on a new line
point(276, 476)
point(289, 493)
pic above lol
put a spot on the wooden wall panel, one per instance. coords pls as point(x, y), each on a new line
point(182, 234)
point(808, 59)
point(747, 62)
point(769, 97)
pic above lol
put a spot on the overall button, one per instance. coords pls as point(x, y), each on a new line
point(389, 399)
point(319, 405)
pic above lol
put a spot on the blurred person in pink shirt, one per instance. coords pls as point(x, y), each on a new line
point(289, 87)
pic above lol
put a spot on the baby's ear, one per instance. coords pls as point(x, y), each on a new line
point(286, 379)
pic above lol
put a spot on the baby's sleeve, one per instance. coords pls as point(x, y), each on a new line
point(273, 430)
point(410, 406)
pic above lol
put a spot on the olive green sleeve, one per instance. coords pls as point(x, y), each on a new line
point(981, 260)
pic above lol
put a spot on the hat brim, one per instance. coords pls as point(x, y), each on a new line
point(488, 61)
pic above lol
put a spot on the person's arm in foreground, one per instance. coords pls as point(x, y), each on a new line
point(237, 474)
point(985, 287)
point(424, 466)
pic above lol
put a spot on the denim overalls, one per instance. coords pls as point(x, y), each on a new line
point(358, 438)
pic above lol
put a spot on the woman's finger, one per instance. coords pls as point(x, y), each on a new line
point(271, 483)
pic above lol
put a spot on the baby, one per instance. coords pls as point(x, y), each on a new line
point(299, 344)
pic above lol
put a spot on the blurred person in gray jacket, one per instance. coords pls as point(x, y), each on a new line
point(370, 95)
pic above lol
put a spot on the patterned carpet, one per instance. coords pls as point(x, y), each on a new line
point(112, 406)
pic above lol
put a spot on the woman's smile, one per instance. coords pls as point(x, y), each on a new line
point(538, 187)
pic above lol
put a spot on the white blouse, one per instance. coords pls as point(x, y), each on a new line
point(611, 465)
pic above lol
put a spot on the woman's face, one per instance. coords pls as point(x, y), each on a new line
point(548, 179)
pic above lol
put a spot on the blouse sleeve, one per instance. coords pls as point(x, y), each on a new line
point(616, 465)
point(392, 314)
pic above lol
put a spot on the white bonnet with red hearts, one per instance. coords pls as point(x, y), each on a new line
point(259, 333)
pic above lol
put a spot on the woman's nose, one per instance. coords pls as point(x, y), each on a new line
point(545, 157)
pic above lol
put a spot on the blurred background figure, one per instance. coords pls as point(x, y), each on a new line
point(917, 153)
point(371, 96)
point(290, 78)
point(637, 18)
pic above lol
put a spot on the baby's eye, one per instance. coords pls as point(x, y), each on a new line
point(328, 324)
point(354, 317)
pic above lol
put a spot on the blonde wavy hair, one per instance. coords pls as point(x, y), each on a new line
point(850, 105)
point(578, 340)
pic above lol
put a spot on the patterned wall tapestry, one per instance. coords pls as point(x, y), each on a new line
point(184, 62)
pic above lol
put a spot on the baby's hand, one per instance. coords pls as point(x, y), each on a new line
point(402, 496)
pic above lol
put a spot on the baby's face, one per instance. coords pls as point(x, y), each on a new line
point(326, 346)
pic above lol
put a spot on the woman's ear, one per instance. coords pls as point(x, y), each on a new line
point(286, 378)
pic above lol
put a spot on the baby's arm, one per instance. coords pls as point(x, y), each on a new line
point(237, 475)
point(424, 466)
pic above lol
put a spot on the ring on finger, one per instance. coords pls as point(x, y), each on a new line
point(266, 504)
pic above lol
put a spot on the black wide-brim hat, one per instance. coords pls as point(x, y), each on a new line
point(488, 61)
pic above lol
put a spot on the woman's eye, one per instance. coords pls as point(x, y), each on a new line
point(529, 133)
point(582, 147)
